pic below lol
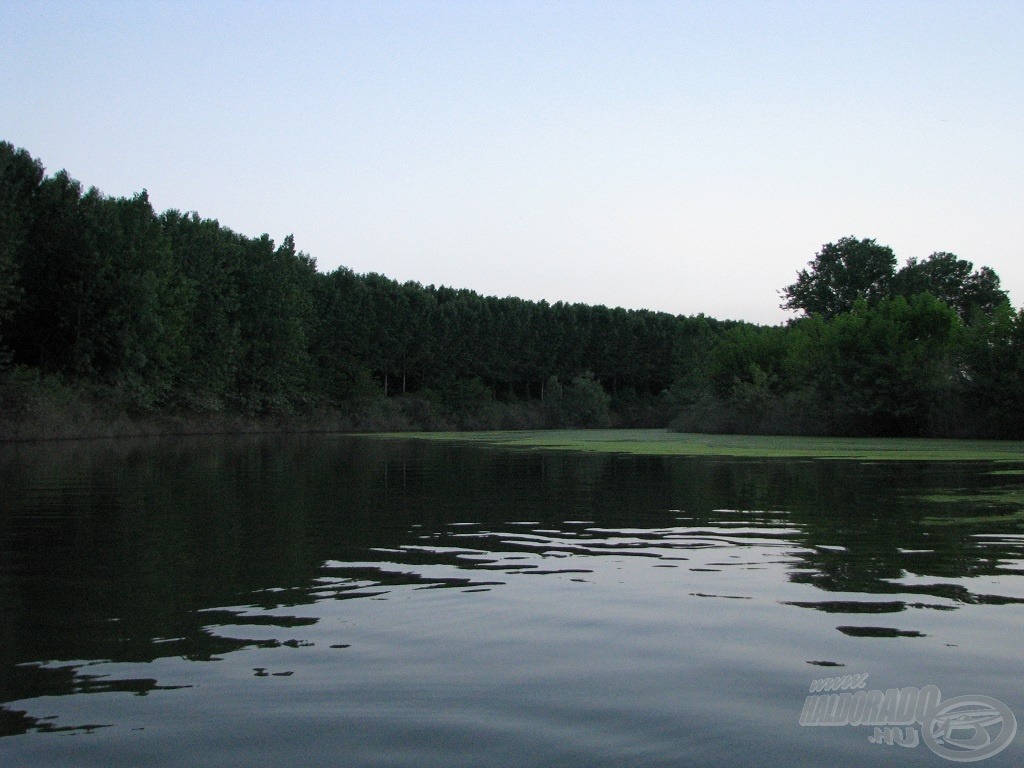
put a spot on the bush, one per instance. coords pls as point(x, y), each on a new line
point(585, 403)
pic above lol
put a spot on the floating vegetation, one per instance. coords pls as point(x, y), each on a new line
point(659, 442)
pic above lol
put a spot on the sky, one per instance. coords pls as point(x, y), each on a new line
point(686, 157)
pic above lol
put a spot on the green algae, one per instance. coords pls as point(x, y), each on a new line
point(654, 442)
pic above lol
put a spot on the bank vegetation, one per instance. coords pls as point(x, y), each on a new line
point(118, 319)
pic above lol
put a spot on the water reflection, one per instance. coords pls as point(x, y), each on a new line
point(124, 554)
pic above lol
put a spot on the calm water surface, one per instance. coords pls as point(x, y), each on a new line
point(342, 601)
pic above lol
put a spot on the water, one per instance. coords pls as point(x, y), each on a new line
point(343, 601)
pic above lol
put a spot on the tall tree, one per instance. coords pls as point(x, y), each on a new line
point(841, 274)
point(340, 343)
point(955, 281)
point(20, 177)
point(994, 371)
point(879, 370)
point(54, 273)
point(275, 316)
point(144, 327)
point(208, 259)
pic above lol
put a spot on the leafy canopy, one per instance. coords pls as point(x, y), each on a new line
point(840, 274)
point(851, 271)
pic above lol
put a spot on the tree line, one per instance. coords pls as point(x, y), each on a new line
point(104, 299)
point(933, 348)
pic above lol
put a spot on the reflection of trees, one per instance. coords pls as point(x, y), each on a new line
point(127, 543)
point(17, 721)
point(120, 551)
point(864, 525)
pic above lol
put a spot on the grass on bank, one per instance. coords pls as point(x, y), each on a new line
point(657, 442)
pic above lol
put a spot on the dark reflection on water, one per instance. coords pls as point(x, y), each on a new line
point(431, 604)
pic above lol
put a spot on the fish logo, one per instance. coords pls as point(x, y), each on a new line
point(969, 728)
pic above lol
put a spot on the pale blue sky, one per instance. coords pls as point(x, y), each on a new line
point(686, 156)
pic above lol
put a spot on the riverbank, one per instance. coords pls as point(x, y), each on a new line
point(38, 407)
point(92, 420)
point(34, 408)
point(82, 419)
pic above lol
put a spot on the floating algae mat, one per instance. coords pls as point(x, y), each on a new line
point(656, 442)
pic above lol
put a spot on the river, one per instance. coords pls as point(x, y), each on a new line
point(358, 601)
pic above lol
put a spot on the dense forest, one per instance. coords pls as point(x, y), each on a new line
point(113, 313)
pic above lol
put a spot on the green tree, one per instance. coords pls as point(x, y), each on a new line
point(880, 370)
point(955, 281)
point(276, 318)
point(20, 177)
point(208, 259)
point(841, 274)
point(585, 403)
point(993, 374)
point(143, 329)
point(102, 297)
point(58, 274)
point(340, 343)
